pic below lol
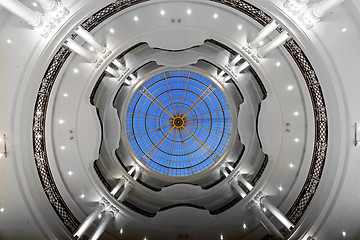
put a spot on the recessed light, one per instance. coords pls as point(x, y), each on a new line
point(111, 30)
point(264, 209)
point(280, 188)
point(99, 215)
point(244, 226)
point(82, 195)
point(61, 121)
point(62, 147)
point(278, 64)
point(136, 18)
point(296, 113)
point(76, 70)
point(121, 231)
point(290, 87)
point(344, 30)
point(2, 209)
point(344, 234)
point(296, 140)
point(291, 165)
point(188, 11)
point(162, 12)
point(8, 41)
point(240, 27)
point(65, 95)
point(35, 4)
point(144, 238)
point(70, 172)
point(221, 237)
point(261, 43)
point(215, 16)
point(91, 48)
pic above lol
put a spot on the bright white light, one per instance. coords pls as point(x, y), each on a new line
point(344, 234)
point(70, 173)
point(290, 87)
point(278, 64)
point(99, 216)
point(76, 70)
point(2, 155)
point(296, 113)
point(162, 12)
point(35, 4)
point(239, 27)
point(215, 16)
point(136, 18)
point(82, 195)
point(244, 226)
point(91, 48)
point(2, 209)
point(221, 237)
point(344, 30)
point(264, 209)
point(61, 121)
point(188, 11)
point(296, 140)
point(121, 231)
point(291, 165)
point(111, 30)
point(144, 238)
point(280, 188)
point(8, 41)
point(62, 147)
point(261, 43)
point(66, 95)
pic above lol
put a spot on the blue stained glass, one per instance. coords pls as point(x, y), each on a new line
point(178, 123)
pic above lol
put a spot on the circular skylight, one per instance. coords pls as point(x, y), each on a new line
point(178, 123)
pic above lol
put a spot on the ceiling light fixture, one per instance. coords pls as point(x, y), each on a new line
point(8, 41)
point(111, 30)
point(290, 87)
point(239, 27)
point(65, 95)
point(244, 226)
point(62, 147)
point(188, 11)
point(162, 12)
point(296, 140)
point(291, 165)
point(35, 4)
point(296, 113)
point(215, 16)
point(61, 121)
point(136, 18)
point(278, 64)
point(82, 196)
point(2, 209)
point(70, 172)
point(344, 30)
point(221, 237)
point(344, 234)
point(280, 188)
point(121, 231)
point(76, 70)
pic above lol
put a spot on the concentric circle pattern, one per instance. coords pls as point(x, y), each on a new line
point(178, 123)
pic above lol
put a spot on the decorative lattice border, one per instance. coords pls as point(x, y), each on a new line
point(41, 104)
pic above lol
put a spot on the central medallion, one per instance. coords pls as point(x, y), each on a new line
point(178, 122)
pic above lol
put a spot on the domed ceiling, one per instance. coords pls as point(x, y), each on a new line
point(177, 120)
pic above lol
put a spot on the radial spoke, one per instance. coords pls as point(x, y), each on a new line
point(172, 101)
point(193, 136)
point(208, 114)
point(156, 145)
point(172, 151)
point(150, 130)
point(153, 100)
point(182, 136)
point(200, 98)
point(207, 128)
point(148, 116)
point(182, 103)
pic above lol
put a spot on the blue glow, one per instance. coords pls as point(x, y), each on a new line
point(178, 123)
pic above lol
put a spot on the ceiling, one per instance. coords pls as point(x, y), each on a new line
point(293, 116)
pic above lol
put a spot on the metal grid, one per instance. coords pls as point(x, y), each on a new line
point(178, 123)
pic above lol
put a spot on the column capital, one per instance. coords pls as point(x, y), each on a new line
point(237, 174)
point(253, 203)
point(260, 195)
point(104, 201)
point(231, 180)
point(124, 178)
